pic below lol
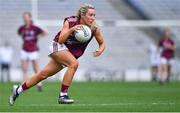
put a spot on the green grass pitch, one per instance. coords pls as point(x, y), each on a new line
point(97, 97)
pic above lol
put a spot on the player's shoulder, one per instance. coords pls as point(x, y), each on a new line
point(171, 39)
point(21, 26)
point(72, 18)
point(162, 39)
point(34, 26)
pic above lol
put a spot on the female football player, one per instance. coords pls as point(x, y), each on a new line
point(168, 46)
point(29, 33)
point(64, 52)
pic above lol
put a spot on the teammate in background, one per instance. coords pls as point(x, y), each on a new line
point(167, 46)
point(64, 52)
point(6, 53)
point(154, 56)
point(30, 33)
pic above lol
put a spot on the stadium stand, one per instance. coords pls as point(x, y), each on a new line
point(160, 10)
point(61, 9)
point(56, 10)
point(125, 45)
point(10, 20)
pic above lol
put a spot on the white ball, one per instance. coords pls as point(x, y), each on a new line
point(83, 34)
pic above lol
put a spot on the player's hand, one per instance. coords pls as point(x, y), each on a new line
point(77, 27)
point(97, 53)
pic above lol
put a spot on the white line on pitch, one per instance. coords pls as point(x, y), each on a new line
point(105, 104)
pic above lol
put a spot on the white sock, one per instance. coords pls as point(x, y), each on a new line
point(39, 84)
point(19, 90)
point(62, 93)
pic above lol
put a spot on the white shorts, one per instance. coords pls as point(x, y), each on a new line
point(29, 55)
point(154, 62)
point(167, 61)
point(55, 46)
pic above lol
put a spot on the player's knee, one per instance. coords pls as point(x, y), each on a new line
point(42, 75)
point(74, 65)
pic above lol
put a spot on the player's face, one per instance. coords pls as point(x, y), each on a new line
point(89, 16)
point(27, 19)
point(167, 34)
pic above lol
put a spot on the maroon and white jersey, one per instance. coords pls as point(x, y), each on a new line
point(166, 53)
point(75, 47)
point(29, 36)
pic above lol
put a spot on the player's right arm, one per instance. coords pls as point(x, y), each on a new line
point(66, 31)
point(20, 33)
point(171, 46)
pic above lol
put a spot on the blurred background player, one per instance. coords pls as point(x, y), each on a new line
point(6, 53)
point(154, 56)
point(64, 51)
point(29, 33)
point(167, 46)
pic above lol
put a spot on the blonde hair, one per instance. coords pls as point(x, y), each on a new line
point(27, 13)
point(83, 10)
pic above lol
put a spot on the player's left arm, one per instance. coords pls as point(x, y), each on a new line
point(100, 40)
point(173, 46)
point(44, 32)
point(41, 32)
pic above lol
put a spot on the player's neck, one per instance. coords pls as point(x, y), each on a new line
point(82, 22)
point(27, 25)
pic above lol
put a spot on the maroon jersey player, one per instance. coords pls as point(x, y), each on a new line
point(29, 33)
point(64, 51)
point(167, 46)
point(74, 46)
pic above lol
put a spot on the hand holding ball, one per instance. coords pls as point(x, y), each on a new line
point(83, 34)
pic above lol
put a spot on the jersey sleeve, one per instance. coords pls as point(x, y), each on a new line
point(160, 43)
point(39, 30)
point(19, 31)
point(173, 42)
point(72, 20)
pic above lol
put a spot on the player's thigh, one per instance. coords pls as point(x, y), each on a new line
point(24, 55)
point(171, 62)
point(64, 57)
point(51, 68)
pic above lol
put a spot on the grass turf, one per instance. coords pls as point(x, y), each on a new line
point(97, 97)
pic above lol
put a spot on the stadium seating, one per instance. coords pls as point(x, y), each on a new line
point(58, 9)
point(10, 20)
point(160, 10)
point(125, 46)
